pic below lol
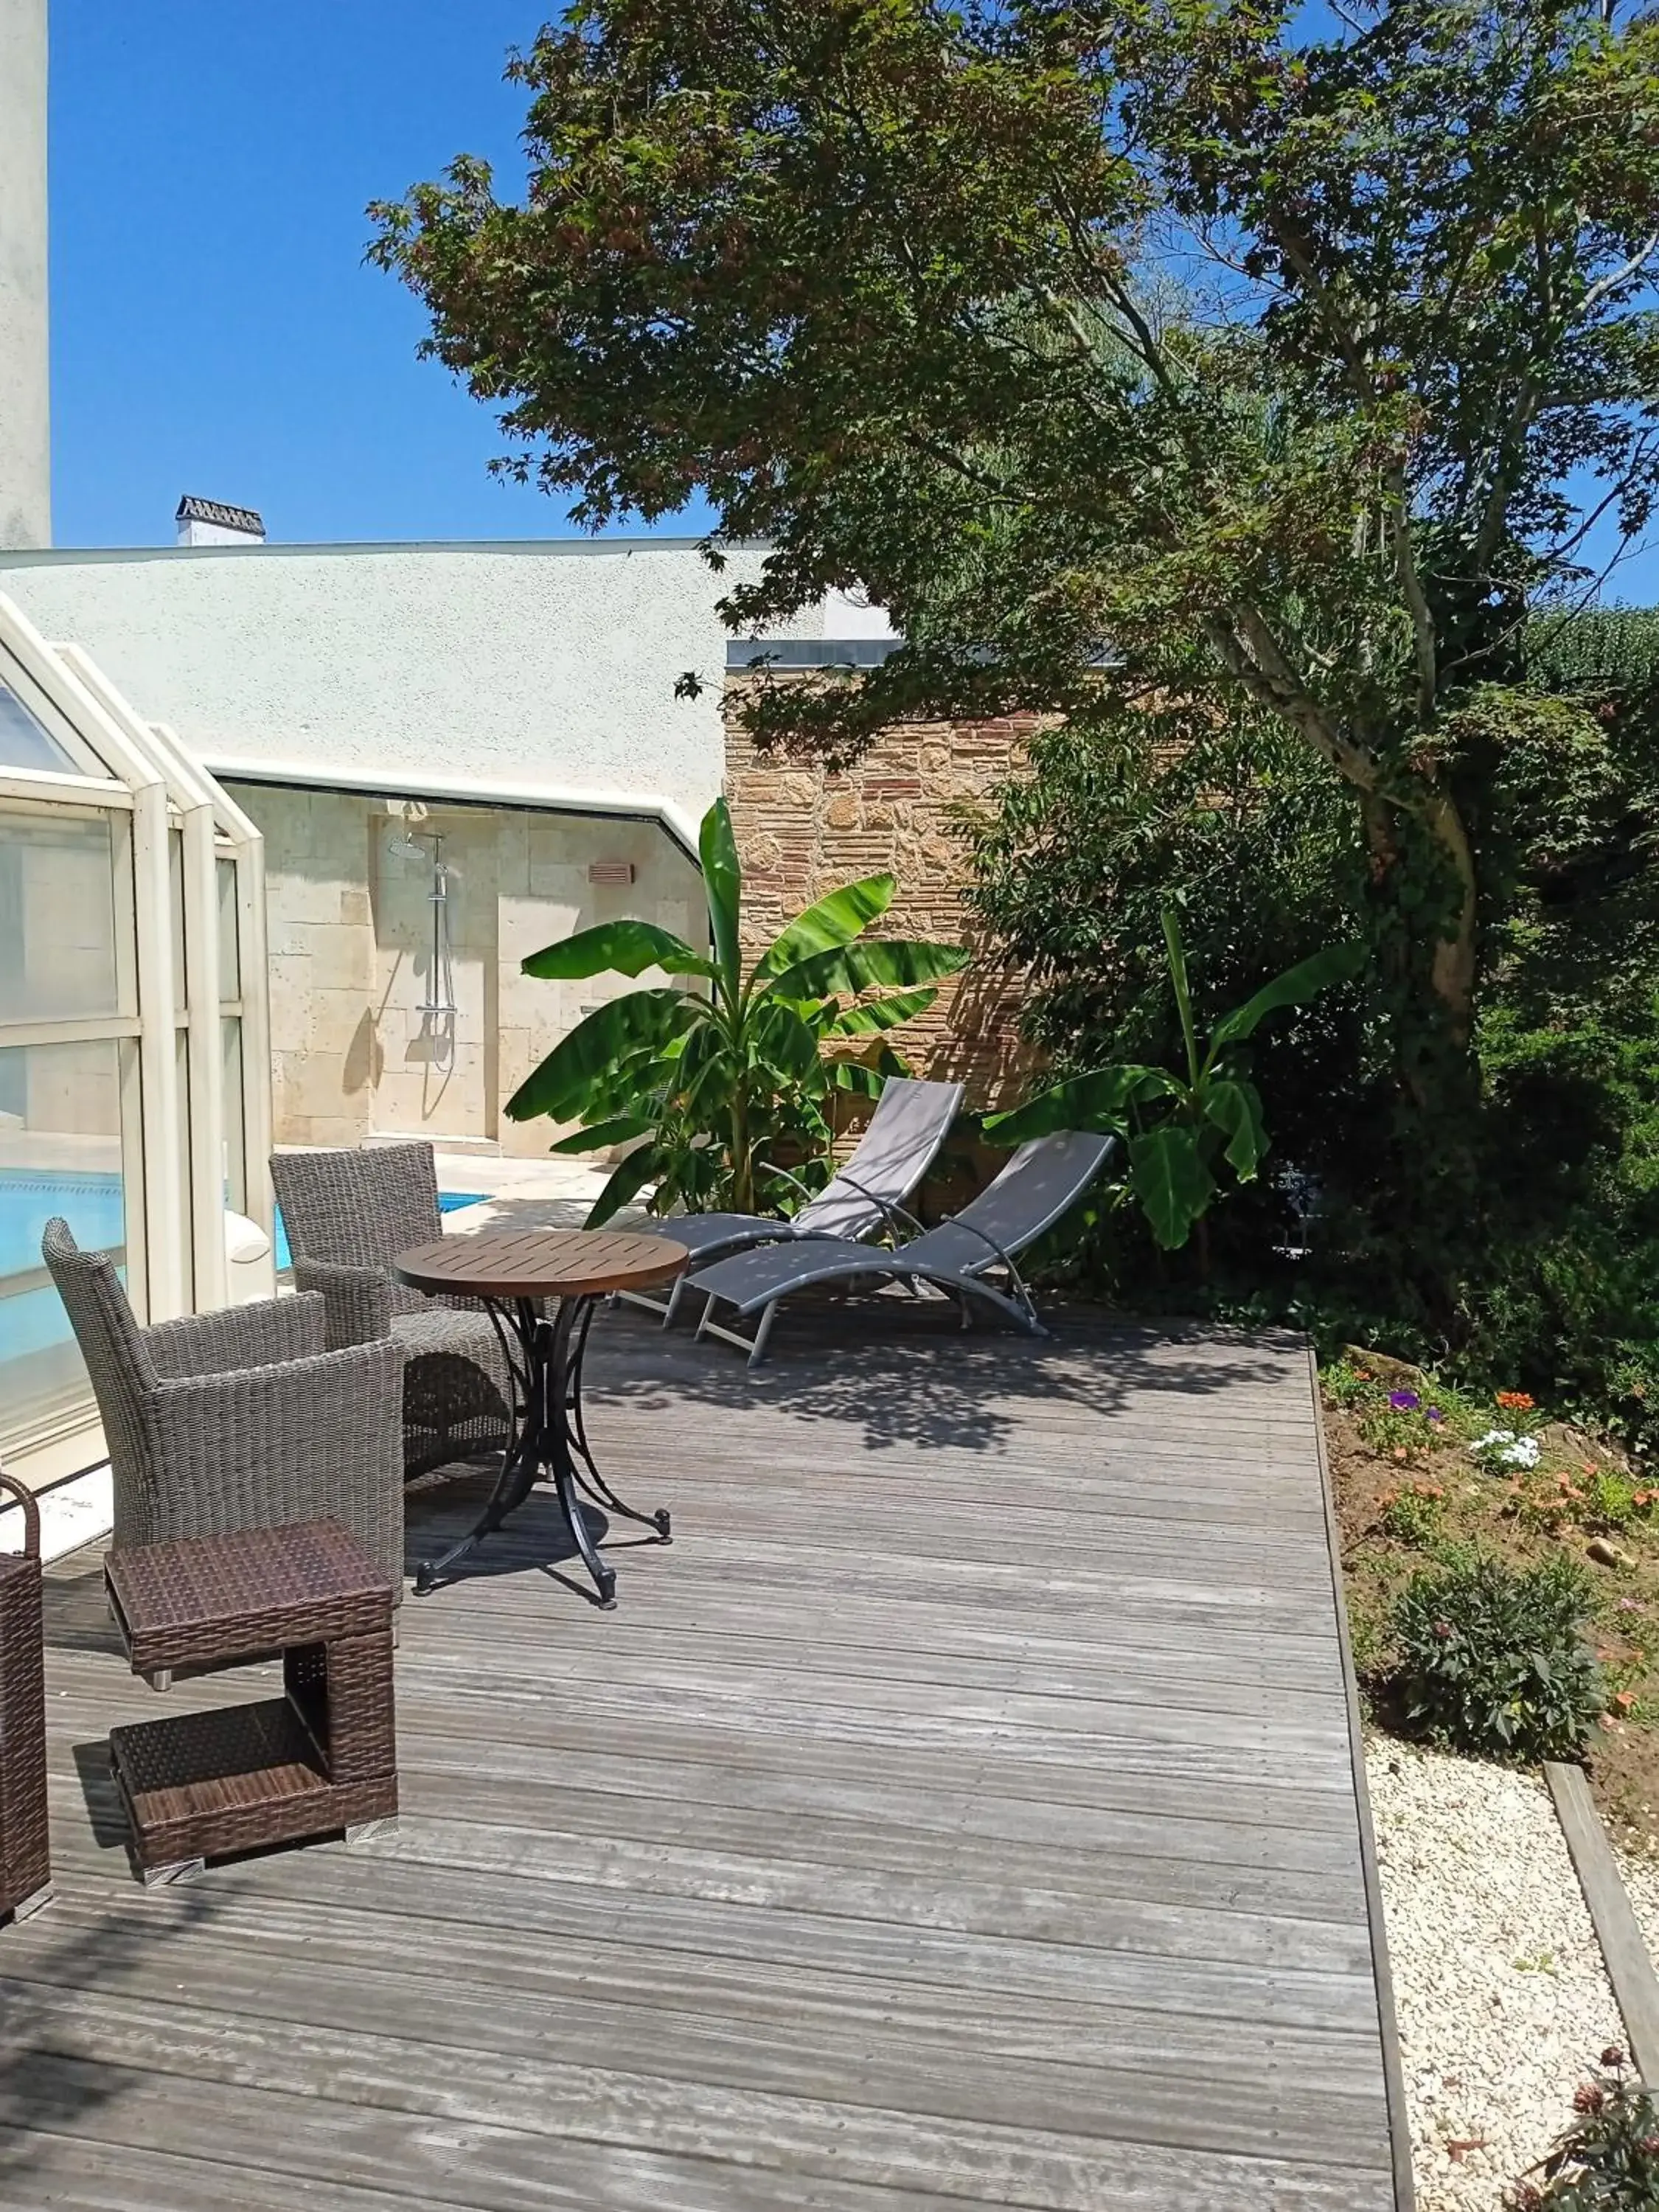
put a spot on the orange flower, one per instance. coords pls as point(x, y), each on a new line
point(1400, 1451)
point(1514, 1402)
point(1625, 1699)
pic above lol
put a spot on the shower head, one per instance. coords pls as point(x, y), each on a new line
point(407, 849)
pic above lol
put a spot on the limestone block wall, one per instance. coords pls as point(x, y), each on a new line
point(802, 831)
point(354, 1053)
point(544, 893)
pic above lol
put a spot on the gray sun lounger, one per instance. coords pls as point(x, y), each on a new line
point(1042, 1181)
point(911, 1121)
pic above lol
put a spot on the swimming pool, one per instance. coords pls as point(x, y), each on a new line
point(449, 1202)
point(33, 1321)
point(91, 1204)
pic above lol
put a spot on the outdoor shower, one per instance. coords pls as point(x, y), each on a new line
point(438, 1004)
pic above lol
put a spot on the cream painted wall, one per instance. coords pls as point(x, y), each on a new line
point(531, 667)
point(353, 1055)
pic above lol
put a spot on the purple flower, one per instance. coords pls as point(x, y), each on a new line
point(1434, 1413)
point(1404, 1401)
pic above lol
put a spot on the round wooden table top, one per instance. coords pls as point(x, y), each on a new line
point(541, 1263)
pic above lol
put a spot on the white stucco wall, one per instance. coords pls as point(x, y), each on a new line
point(506, 670)
point(25, 443)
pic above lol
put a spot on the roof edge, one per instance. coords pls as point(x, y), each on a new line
point(55, 556)
point(467, 790)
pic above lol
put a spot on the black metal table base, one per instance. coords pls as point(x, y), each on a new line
point(549, 1438)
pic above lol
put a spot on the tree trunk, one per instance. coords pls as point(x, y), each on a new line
point(1427, 938)
point(743, 1178)
point(1453, 965)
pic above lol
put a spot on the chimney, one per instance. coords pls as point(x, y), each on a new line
point(210, 522)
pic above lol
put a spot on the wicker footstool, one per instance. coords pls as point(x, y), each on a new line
point(25, 1856)
point(320, 1759)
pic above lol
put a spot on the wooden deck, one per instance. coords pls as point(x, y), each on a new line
point(960, 1812)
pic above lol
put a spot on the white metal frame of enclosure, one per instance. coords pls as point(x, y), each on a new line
point(185, 1139)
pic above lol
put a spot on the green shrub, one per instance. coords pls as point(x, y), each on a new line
point(1609, 2159)
point(1416, 1515)
point(1514, 1244)
point(1492, 1659)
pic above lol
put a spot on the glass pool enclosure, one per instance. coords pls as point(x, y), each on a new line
point(135, 1057)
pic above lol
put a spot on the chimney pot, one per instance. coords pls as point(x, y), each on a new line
point(210, 522)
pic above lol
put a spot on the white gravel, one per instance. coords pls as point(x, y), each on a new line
point(1503, 2000)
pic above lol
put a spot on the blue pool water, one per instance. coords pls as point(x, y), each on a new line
point(448, 1201)
point(91, 1204)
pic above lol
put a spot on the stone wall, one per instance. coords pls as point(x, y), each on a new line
point(354, 1055)
point(802, 832)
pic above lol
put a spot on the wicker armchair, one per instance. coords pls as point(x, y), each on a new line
point(238, 1420)
point(348, 1216)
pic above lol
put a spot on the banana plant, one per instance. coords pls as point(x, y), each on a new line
point(1180, 1124)
point(720, 1072)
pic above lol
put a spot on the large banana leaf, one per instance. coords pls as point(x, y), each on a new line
point(784, 1044)
point(628, 948)
point(567, 1078)
point(864, 1081)
point(1171, 1180)
point(1335, 964)
point(833, 920)
point(876, 1015)
point(1098, 1101)
point(1235, 1109)
point(843, 971)
point(722, 878)
point(628, 1179)
point(600, 1136)
point(1183, 996)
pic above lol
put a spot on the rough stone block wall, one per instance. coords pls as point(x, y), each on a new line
point(802, 831)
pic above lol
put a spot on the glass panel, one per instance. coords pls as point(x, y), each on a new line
point(58, 910)
point(235, 1146)
point(60, 1153)
point(230, 960)
point(24, 743)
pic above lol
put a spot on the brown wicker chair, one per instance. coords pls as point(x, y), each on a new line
point(348, 1216)
point(25, 1842)
point(239, 1419)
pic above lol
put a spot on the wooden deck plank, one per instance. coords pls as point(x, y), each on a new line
point(959, 1814)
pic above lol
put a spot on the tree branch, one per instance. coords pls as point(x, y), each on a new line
point(1614, 277)
point(1396, 505)
point(1258, 663)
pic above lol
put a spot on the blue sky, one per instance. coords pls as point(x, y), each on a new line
point(214, 328)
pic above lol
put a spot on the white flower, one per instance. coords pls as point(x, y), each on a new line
point(1503, 1447)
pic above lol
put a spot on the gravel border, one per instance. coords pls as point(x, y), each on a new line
point(1502, 1997)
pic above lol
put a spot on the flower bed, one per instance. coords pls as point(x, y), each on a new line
point(1423, 1474)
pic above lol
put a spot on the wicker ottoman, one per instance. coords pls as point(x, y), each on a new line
point(25, 1854)
point(320, 1759)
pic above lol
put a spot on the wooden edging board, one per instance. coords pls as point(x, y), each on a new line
point(1635, 1984)
point(1394, 2073)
